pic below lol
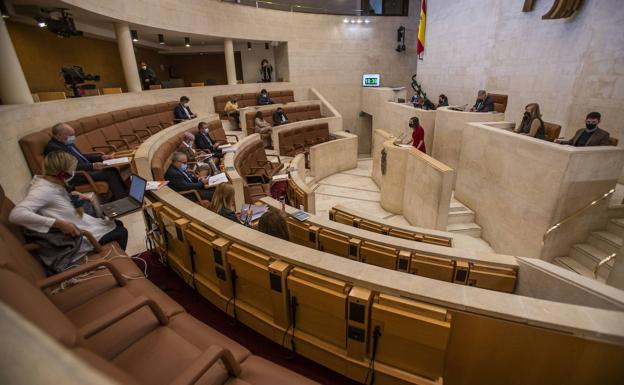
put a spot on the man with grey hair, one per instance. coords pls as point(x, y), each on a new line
point(180, 180)
point(484, 102)
point(63, 139)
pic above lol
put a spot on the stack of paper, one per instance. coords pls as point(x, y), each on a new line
point(280, 177)
point(117, 161)
point(154, 185)
point(217, 179)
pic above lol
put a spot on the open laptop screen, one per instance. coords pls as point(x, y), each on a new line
point(137, 188)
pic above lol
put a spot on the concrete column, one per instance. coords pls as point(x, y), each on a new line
point(230, 63)
point(13, 86)
point(128, 60)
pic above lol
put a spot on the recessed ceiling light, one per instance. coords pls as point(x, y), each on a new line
point(41, 23)
point(352, 21)
point(359, 21)
point(161, 38)
point(135, 35)
point(345, 21)
point(187, 41)
point(366, 21)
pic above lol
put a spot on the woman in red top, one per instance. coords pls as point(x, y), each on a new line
point(418, 135)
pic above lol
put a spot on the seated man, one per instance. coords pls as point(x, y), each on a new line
point(591, 135)
point(205, 164)
point(205, 143)
point(484, 103)
point(279, 117)
point(63, 137)
point(183, 111)
point(264, 98)
point(180, 180)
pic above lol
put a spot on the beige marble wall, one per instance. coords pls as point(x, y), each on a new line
point(392, 183)
point(569, 66)
point(334, 156)
point(520, 186)
point(450, 126)
point(428, 187)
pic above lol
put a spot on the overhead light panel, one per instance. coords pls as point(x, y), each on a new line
point(187, 41)
point(161, 38)
point(359, 21)
point(366, 21)
point(352, 21)
point(346, 21)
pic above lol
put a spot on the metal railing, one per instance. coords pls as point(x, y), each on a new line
point(605, 260)
point(577, 213)
point(296, 8)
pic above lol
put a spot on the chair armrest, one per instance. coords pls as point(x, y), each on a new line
point(158, 128)
point(96, 245)
point(31, 247)
point(85, 268)
point(259, 168)
point(149, 133)
point(122, 312)
point(234, 136)
point(122, 141)
point(204, 362)
point(95, 153)
point(176, 120)
point(133, 136)
point(191, 192)
point(263, 161)
point(109, 147)
point(279, 160)
point(90, 180)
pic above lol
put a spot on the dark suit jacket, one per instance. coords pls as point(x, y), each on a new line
point(486, 105)
point(276, 118)
point(55, 145)
point(263, 101)
point(203, 142)
point(178, 182)
point(180, 114)
point(598, 138)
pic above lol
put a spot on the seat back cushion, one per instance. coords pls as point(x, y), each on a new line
point(32, 146)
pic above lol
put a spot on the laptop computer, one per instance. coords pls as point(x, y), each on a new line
point(132, 202)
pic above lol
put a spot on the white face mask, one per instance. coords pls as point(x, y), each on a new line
point(71, 173)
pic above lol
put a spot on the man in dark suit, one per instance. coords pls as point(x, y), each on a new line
point(180, 180)
point(484, 103)
point(591, 135)
point(63, 137)
point(204, 142)
point(279, 117)
point(147, 75)
point(183, 111)
point(264, 98)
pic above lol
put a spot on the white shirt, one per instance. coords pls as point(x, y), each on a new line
point(46, 202)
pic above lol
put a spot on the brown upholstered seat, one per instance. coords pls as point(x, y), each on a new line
point(293, 141)
point(500, 102)
point(551, 131)
point(251, 99)
point(295, 114)
point(613, 141)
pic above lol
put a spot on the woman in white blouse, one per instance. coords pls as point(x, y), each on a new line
point(48, 205)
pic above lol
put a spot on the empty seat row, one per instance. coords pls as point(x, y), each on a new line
point(107, 133)
point(440, 267)
point(297, 197)
point(251, 99)
point(294, 114)
point(294, 303)
point(119, 323)
point(296, 140)
point(351, 219)
point(256, 170)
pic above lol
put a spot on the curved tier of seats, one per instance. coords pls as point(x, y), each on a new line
point(251, 99)
point(295, 114)
point(342, 313)
point(295, 140)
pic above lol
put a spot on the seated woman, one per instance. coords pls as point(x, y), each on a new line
point(231, 109)
point(418, 135)
point(263, 128)
point(48, 209)
point(273, 222)
point(222, 202)
point(532, 124)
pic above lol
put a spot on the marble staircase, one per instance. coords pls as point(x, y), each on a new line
point(461, 220)
point(584, 257)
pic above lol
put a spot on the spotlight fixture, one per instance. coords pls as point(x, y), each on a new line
point(41, 23)
point(161, 38)
point(4, 10)
point(346, 21)
point(266, 45)
point(249, 45)
point(352, 21)
point(366, 21)
point(135, 35)
point(359, 21)
point(187, 41)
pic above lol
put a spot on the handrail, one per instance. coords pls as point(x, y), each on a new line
point(606, 260)
point(577, 212)
point(295, 8)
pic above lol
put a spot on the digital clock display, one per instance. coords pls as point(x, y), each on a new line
point(370, 80)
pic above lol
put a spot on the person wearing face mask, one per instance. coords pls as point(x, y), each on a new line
point(183, 111)
point(531, 124)
point(264, 98)
point(204, 165)
point(266, 71)
point(204, 142)
point(147, 76)
point(442, 101)
point(231, 109)
point(279, 117)
point(63, 139)
point(484, 103)
point(48, 208)
point(180, 180)
point(591, 135)
point(418, 135)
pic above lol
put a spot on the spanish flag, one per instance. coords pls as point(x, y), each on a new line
point(420, 45)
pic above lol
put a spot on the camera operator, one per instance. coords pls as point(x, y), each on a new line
point(147, 75)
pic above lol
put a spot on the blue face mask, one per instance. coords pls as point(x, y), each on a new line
point(71, 140)
point(183, 167)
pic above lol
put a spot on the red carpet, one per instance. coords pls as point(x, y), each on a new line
point(202, 309)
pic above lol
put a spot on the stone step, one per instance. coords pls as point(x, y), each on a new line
point(589, 256)
point(616, 226)
point(471, 229)
point(461, 216)
point(616, 211)
point(605, 241)
point(575, 266)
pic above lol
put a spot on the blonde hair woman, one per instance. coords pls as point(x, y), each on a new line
point(532, 124)
point(48, 207)
point(222, 201)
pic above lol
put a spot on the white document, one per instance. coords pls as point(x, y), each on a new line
point(280, 177)
point(217, 179)
point(116, 161)
point(153, 185)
